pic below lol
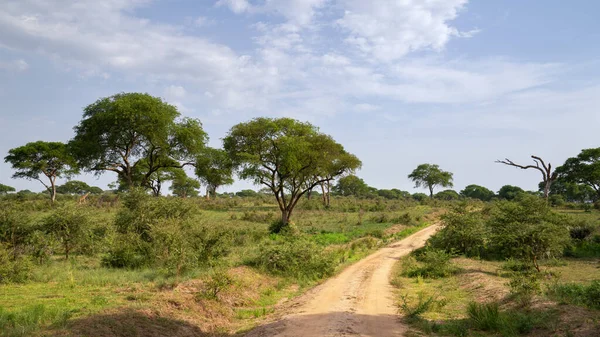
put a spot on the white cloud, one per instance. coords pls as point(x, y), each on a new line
point(390, 29)
point(237, 6)
point(175, 92)
point(203, 21)
point(15, 65)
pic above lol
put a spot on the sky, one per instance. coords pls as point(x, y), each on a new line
point(399, 83)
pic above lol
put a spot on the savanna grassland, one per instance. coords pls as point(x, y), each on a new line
point(143, 266)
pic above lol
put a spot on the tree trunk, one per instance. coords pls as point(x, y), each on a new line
point(207, 193)
point(53, 190)
point(324, 194)
point(66, 250)
point(328, 191)
point(431, 192)
point(285, 216)
point(547, 189)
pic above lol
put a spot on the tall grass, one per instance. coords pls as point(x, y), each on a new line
point(27, 320)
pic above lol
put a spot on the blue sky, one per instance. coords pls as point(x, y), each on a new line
point(398, 82)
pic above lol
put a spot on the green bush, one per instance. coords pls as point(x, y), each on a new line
point(575, 293)
point(13, 268)
point(432, 263)
point(67, 224)
point(423, 305)
point(212, 287)
point(524, 286)
point(295, 257)
point(463, 232)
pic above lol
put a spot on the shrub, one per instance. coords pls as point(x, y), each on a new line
point(422, 306)
point(524, 285)
point(212, 287)
point(67, 223)
point(295, 257)
point(434, 263)
point(254, 216)
point(13, 268)
point(463, 232)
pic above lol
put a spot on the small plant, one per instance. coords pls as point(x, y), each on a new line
point(524, 286)
point(433, 263)
point(412, 311)
point(578, 294)
point(216, 284)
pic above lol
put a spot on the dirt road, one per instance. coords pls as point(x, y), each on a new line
point(357, 302)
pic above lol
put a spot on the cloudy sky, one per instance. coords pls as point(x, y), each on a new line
point(398, 82)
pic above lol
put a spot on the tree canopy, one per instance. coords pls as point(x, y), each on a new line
point(430, 176)
point(77, 187)
point(182, 185)
point(214, 168)
point(509, 192)
point(5, 189)
point(135, 135)
point(37, 159)
point(477, 192)
point(287, 156)
point(583, 169)
point(351, 185)
point(447, 195)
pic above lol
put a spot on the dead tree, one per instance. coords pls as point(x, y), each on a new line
point(547, 174)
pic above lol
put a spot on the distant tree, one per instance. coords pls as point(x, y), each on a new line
point(430, 176)
point(477, 192)
point(135, 135)
point(184, 186)
point(447, 195)
point(49, 159)
point(419, 196)
point(68, 224)
point(387, 194)
point(351, 185)
point(571, 192)
point(73, 187)
point(287, 156)
point(96, 190)
point(583, 169)
point(246, 193)
point(5, 189)
point(214, 168)
point(548, 176)
point(509, 192)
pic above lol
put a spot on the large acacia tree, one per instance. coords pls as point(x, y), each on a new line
point(136, 135)
point(430, 176)
point(40, 159)
point(287, 156)
point(583, 169)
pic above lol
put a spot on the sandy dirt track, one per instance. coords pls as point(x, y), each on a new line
point(357, 302)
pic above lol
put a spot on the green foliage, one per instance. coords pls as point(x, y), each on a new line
point(413, 311)
point(419, 196)
point(295, 257)
point(182, 185)
point(485, 316)
point(67, 223)
point(287, 156)
point(77, 187)
point(524, 285)
point(246, 193)
point(351, 185)
point(447, 195)
point(259, 217)
point(214, 168)
point(13, 268)
point(509, 192)
point(477, 192)
point(432, 263)
point(463, 232)
point(430, 175)
point(5, 189)
point(583, 169)
point(217, 283)
point(575, 293)
point(527, 229)
point(48, 159)
point(155, 136)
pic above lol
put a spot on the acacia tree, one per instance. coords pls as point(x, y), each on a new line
point(548, 176)
point(5, 189)
point(351, 185)
point(430, 176)
point(135, 135)
point(37, 159)
point(214, 168)
point(287, 156)
point(182, 185)
point(477, 192)
point(583, 169)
